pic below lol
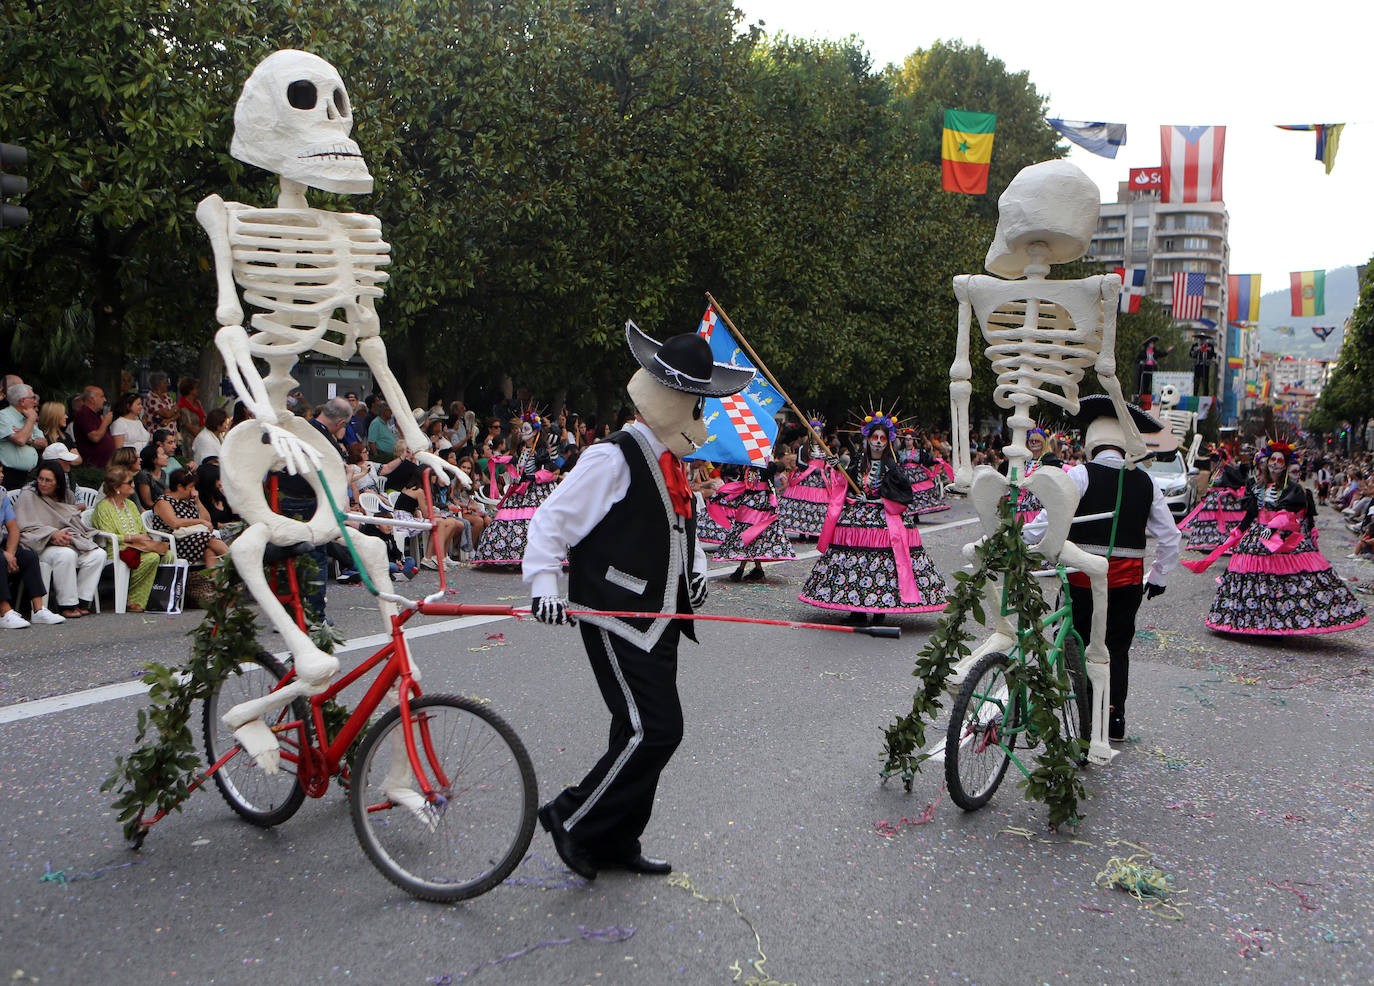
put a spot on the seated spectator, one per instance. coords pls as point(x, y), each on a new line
point(170, 440)
point(207, 443)
point(148, 482)
point(127, 426)
point(22, 562)
point(119, 514)
point(410, 505)
point(210, 490)
point(466, 507)
point(181, 514)
point(53, 528)
point(63, 458)
point(126, 458)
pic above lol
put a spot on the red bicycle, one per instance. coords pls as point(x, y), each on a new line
point(441, 790)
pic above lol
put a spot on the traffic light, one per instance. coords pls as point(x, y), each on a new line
point(12, 185)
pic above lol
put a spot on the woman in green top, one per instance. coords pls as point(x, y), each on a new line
point(119, 514)
point(381, 439)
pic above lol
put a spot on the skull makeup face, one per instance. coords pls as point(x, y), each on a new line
point(526, 432)
point(293, 119)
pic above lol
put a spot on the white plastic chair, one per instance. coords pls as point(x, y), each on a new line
point(121, 570)
point(86, 496)
point(370, 503)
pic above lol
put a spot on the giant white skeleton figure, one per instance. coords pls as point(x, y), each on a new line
point(1040, 334)
point(315, 277)
point(1178, 422)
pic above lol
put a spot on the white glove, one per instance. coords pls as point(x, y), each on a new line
point(696, 591)
point(552, 610)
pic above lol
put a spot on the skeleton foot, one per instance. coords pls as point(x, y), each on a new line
point(427, 813)
point(260, 743)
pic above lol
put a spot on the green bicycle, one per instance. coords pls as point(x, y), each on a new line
point(991, 718)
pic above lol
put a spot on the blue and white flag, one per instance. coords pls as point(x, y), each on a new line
point(740, 428)
point(1100, 138)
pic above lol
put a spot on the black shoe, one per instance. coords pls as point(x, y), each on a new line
point(756, 575)
point(879, 619)
point(639, 863)
point(1116, 729)
point(569, 851)
point(736, 575)
point(857, 619)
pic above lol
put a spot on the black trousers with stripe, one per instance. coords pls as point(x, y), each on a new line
point(607, 810)
point(1123, 603)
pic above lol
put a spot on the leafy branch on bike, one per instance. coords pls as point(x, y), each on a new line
point(1054, 780)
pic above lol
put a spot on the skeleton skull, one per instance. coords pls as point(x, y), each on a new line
point(293, 119)
point(1052, 202)
point(1168, 395)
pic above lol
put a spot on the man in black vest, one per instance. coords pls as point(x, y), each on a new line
point(1137, 507)
point(624, 519)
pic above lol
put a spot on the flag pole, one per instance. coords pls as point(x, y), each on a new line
point(806, 422)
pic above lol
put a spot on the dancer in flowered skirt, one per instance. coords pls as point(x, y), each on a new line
point(532, 479)
point(709, 532)
point(802, 505)
point(755, 533)
point(1221, 508)
point(872, 561)
point(919, 466)
point(1028, 505)
point(1277, 581)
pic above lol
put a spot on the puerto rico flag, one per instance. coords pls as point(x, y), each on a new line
point(1188, 295)
point(1192, 163)
point(740, 428)
point(1132, 288)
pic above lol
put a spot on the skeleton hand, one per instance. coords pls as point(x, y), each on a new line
point(296, 455)
point(696, 591)
point(443, 470)
point(552, 610)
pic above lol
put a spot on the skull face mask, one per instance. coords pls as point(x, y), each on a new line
point(294, 119)
point(526, 432)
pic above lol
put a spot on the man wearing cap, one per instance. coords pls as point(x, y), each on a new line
point(624, 519)
point(66, 458)
point(1137, 507)
point(19, 435)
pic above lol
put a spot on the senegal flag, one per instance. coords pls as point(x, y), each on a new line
point(967, 151)
point(1308, 291)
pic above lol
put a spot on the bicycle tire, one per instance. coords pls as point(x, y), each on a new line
point(1077, 715)
point(256, 796)
point(479, 831)
point(975, 762)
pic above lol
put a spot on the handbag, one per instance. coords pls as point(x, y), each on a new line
point(130, 556)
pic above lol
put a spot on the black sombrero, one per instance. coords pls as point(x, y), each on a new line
point(1100, 406)
point(683, 362)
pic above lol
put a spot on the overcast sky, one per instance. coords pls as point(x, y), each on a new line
point(1196, 64)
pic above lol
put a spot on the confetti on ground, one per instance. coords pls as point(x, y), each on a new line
point(1255, 942)
point(1144, 881)
point(1331, 938)
point(842, 675)
point(1303, 899)
point(1172, 761)
point(552, 878)
point(51, 875)
point(684, 882)
point(887, 830)
point(615, 933)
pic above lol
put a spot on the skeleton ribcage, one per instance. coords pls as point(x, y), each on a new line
point(311, 272)
point(1035, 343)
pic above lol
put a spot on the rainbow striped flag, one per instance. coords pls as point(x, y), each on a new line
point(1308, 290)
point(1244, 301)
point(966, 151)
point(1328, 139)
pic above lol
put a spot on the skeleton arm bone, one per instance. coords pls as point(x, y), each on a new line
point(1106, 370)
point(960, 387)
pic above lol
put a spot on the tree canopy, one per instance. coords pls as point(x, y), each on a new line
point(545, 169)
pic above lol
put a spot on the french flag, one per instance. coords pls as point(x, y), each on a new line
point(1132, 288)
point(1192, 163)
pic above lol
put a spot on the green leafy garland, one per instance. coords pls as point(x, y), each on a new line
point(1055, 779)
point(158, 775)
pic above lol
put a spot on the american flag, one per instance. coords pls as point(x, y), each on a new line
point(1188, 295)
point(1192, 163)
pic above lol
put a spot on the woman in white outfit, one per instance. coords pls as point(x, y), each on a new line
point(53, 528)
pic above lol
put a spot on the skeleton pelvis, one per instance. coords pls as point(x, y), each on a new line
point(247, 463)
point(1050, 484)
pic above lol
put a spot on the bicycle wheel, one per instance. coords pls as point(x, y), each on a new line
point(474, 832)
point(261, 798)
point(1076, 716)
point(975, 758)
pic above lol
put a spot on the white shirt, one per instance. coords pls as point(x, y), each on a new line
point(206, 444)
point(135, 434)
point(1159, 526)
point(582, 500)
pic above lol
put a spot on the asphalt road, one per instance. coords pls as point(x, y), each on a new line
point(1250, 783)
